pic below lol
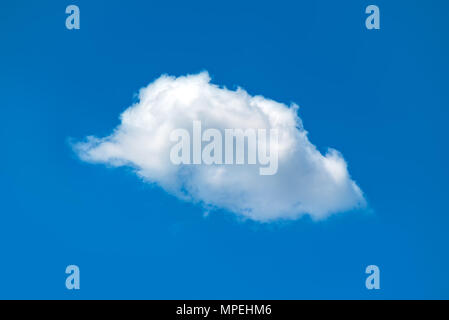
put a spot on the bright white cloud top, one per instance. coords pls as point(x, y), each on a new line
point(306, 182)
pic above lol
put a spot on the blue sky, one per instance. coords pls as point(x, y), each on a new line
point(380, 97)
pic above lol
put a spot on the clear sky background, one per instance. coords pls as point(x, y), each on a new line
point(380, 97)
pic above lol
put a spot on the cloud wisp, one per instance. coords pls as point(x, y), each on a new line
point(305, 182)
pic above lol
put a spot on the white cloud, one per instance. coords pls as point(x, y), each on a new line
point(306, 182)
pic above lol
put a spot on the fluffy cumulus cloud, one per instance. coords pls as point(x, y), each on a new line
point(306, 181)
